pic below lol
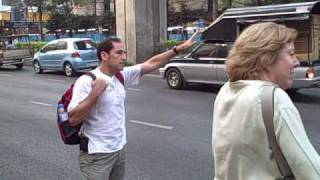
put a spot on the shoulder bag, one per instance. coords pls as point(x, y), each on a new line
point(267, 114)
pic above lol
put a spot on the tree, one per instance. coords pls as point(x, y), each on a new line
point(213, 7)
point(63, 7)
point(67, 20)
point(83, 22)
point(12, 2)
point(182, 17)
point(107, 21)
point(42, 6)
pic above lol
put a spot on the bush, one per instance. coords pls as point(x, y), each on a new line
point(35, 45)
point(170, 43)
point(129, 63)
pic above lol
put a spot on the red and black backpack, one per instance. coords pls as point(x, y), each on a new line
point(70, 134)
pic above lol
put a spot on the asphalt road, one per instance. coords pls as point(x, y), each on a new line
point(169, 131)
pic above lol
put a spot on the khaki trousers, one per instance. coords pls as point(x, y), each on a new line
point(103, 166)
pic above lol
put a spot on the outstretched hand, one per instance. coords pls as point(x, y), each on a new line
point(190, 42)
point(157, 61)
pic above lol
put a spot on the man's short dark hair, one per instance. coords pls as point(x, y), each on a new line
point(106, 45)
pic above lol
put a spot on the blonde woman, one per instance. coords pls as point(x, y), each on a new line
point(263, 55)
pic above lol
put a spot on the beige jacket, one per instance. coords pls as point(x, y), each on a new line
point(239, 140)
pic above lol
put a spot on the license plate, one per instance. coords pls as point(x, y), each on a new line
point(92, 64)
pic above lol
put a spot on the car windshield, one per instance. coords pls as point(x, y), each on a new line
point(84, 45)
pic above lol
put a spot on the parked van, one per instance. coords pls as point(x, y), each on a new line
point(304, 17)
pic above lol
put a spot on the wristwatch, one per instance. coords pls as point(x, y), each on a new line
point(174, 49)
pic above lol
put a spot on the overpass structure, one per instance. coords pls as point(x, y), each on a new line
point(142, 26)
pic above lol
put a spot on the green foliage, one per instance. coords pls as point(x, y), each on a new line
point(56, 22)
point(184, 16)
point(107, 21)
point(61, 17)
point(34, 45)
point(170, 43)
point(83, 22)
point(129, 63)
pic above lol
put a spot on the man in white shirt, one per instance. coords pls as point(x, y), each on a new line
point(99, 105)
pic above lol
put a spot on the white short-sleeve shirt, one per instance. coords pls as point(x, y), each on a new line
point(105, 125)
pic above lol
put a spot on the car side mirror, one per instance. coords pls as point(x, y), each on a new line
point(42, 51)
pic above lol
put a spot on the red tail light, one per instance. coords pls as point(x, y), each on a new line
point(75, 54)
point(310, 73)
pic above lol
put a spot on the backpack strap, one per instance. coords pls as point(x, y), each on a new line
point(89, 73)
point(267, 104)
point(119, 76)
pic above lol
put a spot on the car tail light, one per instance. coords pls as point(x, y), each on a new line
point(75, 54)
point(310, 73)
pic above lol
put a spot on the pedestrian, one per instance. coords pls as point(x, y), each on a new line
point(99, 105)
point(263, 55)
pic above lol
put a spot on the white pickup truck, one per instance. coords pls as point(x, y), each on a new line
point(11, 54)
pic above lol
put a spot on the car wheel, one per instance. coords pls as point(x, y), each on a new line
point(19, 66)
point(37, 67)
point(174, 79)
point(68, 70)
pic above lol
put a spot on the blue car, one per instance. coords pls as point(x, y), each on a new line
point(70, 55)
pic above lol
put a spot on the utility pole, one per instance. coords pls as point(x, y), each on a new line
point(95, 8)
point(213, 6)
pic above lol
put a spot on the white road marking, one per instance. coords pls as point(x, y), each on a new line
point(40, 103)
point(56, 80)
point(151, 124)
point(134, 89)
point(5, 75)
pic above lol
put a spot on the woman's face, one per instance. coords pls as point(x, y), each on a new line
point(282, 71)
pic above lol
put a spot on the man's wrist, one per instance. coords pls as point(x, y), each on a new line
point(175, 50)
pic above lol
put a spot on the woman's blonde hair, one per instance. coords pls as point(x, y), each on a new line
point(256, 47)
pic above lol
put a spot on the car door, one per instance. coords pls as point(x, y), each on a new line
point(58, 55)
point(220, 61)
point(201, 68)
point(45, 56)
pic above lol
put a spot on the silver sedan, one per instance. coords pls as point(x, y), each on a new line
point(206, 64)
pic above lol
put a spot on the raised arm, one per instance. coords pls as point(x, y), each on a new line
point(157, 61)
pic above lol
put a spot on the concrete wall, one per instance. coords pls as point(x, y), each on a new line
point(142, 26)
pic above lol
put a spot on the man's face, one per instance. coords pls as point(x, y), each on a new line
point(116, 58)
point(282, 71)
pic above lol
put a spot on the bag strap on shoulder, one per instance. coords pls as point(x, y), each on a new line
point(120, 77)
point(267, 114)
point(89, 73)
